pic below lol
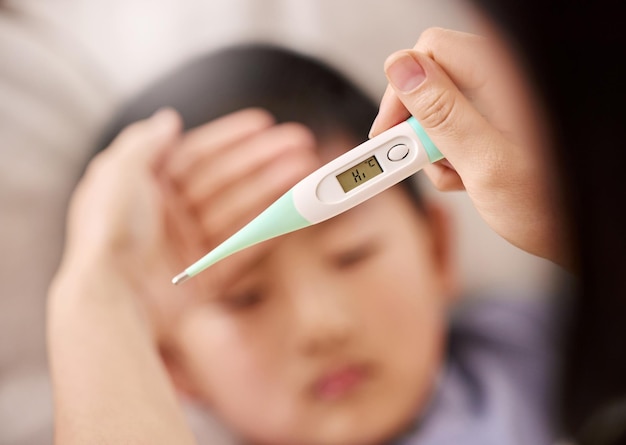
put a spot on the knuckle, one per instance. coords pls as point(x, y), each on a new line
point(439, 111)
point(432, 34)
point(430, 37)
point(444, 179)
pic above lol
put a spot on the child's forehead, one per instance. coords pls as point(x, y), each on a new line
point(377, 215)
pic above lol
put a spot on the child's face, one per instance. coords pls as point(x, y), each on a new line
point(335, 337)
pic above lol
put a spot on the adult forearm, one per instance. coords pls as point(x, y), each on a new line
point(110, 385)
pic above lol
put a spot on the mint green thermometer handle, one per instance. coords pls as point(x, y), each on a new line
point(279, 218)
point(432, 151)
point(283, 215)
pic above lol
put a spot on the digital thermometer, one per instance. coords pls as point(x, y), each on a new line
point(344, 182)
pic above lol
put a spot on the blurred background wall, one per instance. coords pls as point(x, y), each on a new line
point(65, 67)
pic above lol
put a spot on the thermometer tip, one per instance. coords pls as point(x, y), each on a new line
point(180, 278)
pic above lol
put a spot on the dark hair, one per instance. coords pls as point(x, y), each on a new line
point(291, 86)
point(560, 42)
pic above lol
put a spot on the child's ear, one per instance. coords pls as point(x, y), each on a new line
point(177, 373)
point(443, 243)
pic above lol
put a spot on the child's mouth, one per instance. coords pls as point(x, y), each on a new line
point(340, 381)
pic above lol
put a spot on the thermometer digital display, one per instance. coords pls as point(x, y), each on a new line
point(344, 182)
point(359, 174)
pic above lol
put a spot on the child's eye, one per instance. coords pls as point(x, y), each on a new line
point(243, 300)
point(356, 255)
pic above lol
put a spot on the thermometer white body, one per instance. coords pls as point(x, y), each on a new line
point(399, 154)
point(346, 181)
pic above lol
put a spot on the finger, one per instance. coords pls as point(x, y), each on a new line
point(465, 58)
point(460, 132)
point(240, 203)
point(390, 112)
point(231, 166)
point(183, 227)
point(208, 140)
point(186, 246)
point(478, 67)
point(147, 142)
point(137, 150)
point(444, 178)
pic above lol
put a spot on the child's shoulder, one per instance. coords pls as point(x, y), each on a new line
point(507, 324)
point(495, 386)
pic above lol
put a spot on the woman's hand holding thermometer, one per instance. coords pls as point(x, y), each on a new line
point(346, 181)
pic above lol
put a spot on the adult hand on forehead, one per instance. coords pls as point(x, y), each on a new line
point(156, 200)
point(126, 227)
point(470, 96)
point(228, 171)
point(111, 303)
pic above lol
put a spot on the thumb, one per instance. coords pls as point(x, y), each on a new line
point(418, 84)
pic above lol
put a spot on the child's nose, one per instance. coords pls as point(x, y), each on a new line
point(322, 317)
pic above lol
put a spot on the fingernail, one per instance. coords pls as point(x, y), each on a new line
point(405, 73)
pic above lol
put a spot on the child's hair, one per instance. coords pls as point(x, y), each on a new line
point(291, 86)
